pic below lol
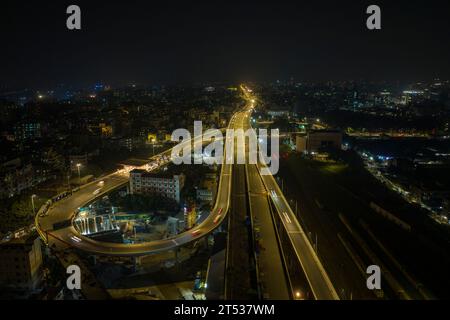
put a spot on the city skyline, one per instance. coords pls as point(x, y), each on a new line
point(231, 157)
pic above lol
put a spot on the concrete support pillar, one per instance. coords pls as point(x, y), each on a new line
point(102, 223)
point(95, 224)
point(83, 225)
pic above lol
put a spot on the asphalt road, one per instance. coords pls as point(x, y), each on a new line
point(241, 283)
point(69, 237)
point(270, 260)
point(314, 271)
point(317, 217)
point(65, 210)
point(240, 264)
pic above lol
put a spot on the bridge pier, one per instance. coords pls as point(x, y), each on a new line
point(95, 225)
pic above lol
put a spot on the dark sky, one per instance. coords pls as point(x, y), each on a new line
point(189, 41)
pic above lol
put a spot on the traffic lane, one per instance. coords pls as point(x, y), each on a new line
point(346, 275)
point(319, 282)
point(269, 257)
point(65, 209)
point(321, 285)
point(239, 256)
point(321, 291)
point(303, 249)
point(70, 236)
point(287, 218)
point(66, 235)
point(256, 185)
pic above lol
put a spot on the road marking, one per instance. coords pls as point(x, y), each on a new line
point(288, 220)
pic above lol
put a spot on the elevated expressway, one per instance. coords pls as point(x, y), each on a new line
point(313, 269)
point(64, 212)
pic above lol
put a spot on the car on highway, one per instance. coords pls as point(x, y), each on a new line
point(286, 217)
point(219, 214)
point(196, 232)
point(75, 238)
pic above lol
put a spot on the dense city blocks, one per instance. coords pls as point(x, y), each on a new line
point(238, 159)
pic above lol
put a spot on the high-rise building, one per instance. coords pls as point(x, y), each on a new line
point(27, 130)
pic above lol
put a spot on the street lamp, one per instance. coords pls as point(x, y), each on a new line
point(79, 175)
point(298, 295)
point(32, 203)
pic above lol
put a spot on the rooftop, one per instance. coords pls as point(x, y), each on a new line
point(133, 162)
point(27, 238)
point(158, 174)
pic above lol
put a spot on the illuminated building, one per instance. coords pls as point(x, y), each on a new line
point(27, 130)
point(169, 186)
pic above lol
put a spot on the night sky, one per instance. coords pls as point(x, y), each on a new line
point(167, 42)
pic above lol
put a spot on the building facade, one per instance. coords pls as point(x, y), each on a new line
point(318, 140)
point(15, 177)
point(21, 266)
point(142, 182)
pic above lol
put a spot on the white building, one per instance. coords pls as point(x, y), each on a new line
point(142, 181)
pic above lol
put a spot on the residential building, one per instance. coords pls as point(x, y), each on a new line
point(169, 186)
point(21, 266)
point(317, 140)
